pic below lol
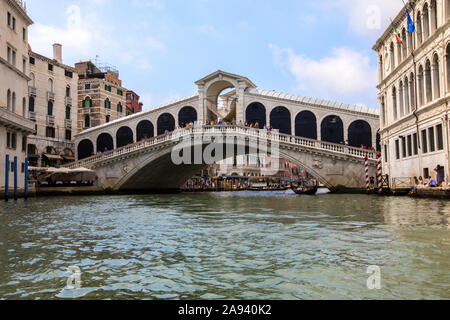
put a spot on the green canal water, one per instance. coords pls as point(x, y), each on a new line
point(225, 246)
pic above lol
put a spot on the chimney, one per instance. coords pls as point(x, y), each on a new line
point(57, 52)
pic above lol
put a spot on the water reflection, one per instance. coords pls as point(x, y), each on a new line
point(224, 246)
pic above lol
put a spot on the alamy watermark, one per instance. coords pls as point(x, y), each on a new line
point(374, 280)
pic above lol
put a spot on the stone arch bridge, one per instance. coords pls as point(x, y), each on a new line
point(148, 165)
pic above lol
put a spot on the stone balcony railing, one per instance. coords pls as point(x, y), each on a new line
point(32, 116)
point(50, 96)
point(32, 92)
point(68, 124)
point(50, 120)
point(270, 136)
point(15, 121)
point(68, 101)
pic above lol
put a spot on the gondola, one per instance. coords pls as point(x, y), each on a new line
point(308, 192)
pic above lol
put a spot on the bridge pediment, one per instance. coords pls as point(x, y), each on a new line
point(220, 75)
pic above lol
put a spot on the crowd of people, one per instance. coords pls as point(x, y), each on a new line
point(432, 183)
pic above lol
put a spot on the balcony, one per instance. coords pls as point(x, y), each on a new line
point(86, 110)
point(50, 96)
point(13, 120)
point(68, 101)
point(108, 112)
point(50, 120)
point(32, 92)
point(32, 116)
point(68, 124)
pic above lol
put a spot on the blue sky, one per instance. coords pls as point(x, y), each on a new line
point(315, 48)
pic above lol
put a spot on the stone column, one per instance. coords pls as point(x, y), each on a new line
point(202, 112)
point(240, 102)
point(292, 122)
point(435, 81)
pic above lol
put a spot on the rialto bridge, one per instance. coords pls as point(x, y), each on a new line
point(134, 152)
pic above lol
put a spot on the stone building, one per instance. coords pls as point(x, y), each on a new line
point(101, 97)
point(415, 123)
point(14, 127)
point(52, 87)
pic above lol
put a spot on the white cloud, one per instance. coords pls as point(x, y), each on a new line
point(156, 4)
point(344, 74)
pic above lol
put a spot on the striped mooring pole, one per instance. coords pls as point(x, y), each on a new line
point(366, 167)
point(380, 174)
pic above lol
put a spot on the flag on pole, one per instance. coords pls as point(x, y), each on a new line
point(397, 36)
point(411, 26)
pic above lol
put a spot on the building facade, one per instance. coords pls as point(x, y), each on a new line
point(133, 104)
point(101, 97)
point(414, 84)
point(14, 127)
point(52, 93)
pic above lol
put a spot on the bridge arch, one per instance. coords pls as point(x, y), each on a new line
point(256, 113)
point(145, 129)
point(85, 149)
point(332, 129)
point(124, 136)
point(360, 134)
point(306, 125)
point(105, 142)
point(187, 115)
point(166, 122)
point(280, 118)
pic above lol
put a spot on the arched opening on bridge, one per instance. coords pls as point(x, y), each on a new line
point(360, 134)
point(85, 149)
point(332, 129)
point(144, 130)
point(256, 114)
point(105, 142)
point(186, 116)
point(166, 123)
point(280, 118)
point(124, 137)
point(306, 125)
point(219, 97)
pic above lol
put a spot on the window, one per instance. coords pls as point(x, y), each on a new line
point(415, 144)
point(14, 57)
point(14, 23)
point(108, 119)
point(8, 54)
point(119, 107)
point(119, 92)
point(385, 153)
point(87, 103)
point(12, 166)
point(8, 140)
point(50, 108)
point(24, 34)
point(87, 121)
point(9, 19)
point(50, 67)
point(440, 137)
point(67, 112)
point(68, 73)
point(108, 88)
point(397, 149)
point(424, 141)
point(128, 96)
point(431, 139)
point(87, 86)
point(23, 167)
point(409, 143)
point(31, 104)
point(24, 144)
point(403, 147)
point(426, 173)
point(68, 135)
point(32, 61)
point(13, 141)
point(107, 104)
point(49, 132)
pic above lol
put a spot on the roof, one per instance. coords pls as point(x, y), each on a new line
point(231, 75)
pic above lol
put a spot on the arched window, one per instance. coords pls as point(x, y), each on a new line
point(31, 104)
point(124, 137)
point(401, 99)
point(105, 142)
point(433, 8)
point(332, 129)
point(24, 107)
point(419, 28)
point(406, 93)
point(50, 85)
point(383, 111)
point(50, 108)
point(306, 125)
point(381, 68)
point(360, 134)
point(256, 113)
point(436, 77)
point(404, 48)
point(409, 42)
point(119, 107)
point(85, 149)
point(68, 91)
point(33, 80)
point(187, 115)
point(166, 123)
point(392, 55)
point(87, 103)
point(426, 22)
point(280, 118)
point(87, 121)
point(394, 103)
point(144, 130)
point(8, 100)
point(420, 84)
point(13, 102)
point(107, 104)
point(412, 92)
point(428, 83)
